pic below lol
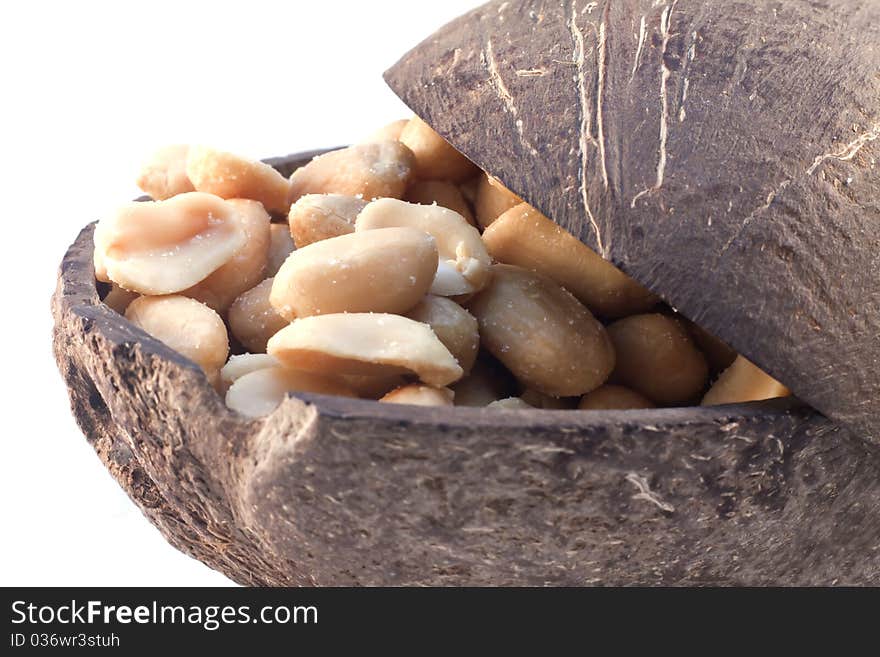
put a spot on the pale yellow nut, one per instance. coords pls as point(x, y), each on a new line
point(162, 247)
point(372, 344)
point(455, 327)
point(98, 262)
point(164, 174)
point(231, 176)
point(246, 268)
point(280, 246)
point(237, 366)
point(510, 404)
point(524, 237)
point(493, 199)
point(253, 320)
point(390, 131)
point(444, 194)
point(383, 271)
point(369, 171)
point(542, 334)
point(260, 392)
point(465, 265)
point(611, 397)
point(657, 358)
point(186, 326)
point(118, 299)
point(436, 159)
point(419, 395)
point(316, 217)
point(743, 382)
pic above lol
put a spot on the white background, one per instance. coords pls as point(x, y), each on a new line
point(88, 90)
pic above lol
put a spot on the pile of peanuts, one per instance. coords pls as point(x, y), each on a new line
point(394, 270)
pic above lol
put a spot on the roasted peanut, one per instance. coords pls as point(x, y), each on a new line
point(537, 399)
point(370, 171)
point(524, 237)
point(260, 392)
point(237, 366)
point(161, 247)
point(436, 158)
point(118, 299)
point(510, 404)
point(464, 267)
point(253, 320)
point(280, 246)
point(656, 357)
point(419, 395)
point(454, 326)
point(246, 268)
point(388, 132)
point(442, 193)
point(545, 337)
point(719, 355)
point(493, 199)
point(611, 397)
point(372, 344)
point(487, 382)
point(743, 382)
point(231, 176)
point(382, 271)
point(373, 387)
point(187, 326)
point(164, 174)
point(316, 217)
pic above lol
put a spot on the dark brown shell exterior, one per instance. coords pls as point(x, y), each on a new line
point(332, 491)
point(725, 154)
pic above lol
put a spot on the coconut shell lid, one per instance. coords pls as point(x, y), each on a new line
point(725, 155)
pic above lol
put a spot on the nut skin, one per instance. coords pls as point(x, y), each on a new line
point(382, 271)
point(435, 158)
point(657, 358)
point(542, 334)
point(372, 170)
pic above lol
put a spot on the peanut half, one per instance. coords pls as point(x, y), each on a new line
point(260, 392)
point(454, 326)
point(253, 320)
point(373, 344)
point(493, 199)
point(611, 397)
point(316, 217)
point(164, 174)
point(464, 267)
point(545, 337)
point(743, 382)
point(280, 246)
point(161, 247)
point(435, 158)
point(383, 271)
point(419, 395)
point(444, 194)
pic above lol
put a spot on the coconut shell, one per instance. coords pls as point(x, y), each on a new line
point(334, 491)
point(724, 154)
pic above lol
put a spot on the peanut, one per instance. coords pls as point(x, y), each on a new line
point(487, 382)
point(253, 320)
point(237, 366)
point(493, 199)
point(280, 246)
point(118, 299)
point(743, 382)
point(510, 404)
point(316, 217)
point(419, 395)
point(442, 193)
point(542, 334)
point(435, 158)
point(382, 271)
point(388, 132)
point(260, 392)
point(164, 174)
point(611, 397)
point(372, 344)
point(454, 326)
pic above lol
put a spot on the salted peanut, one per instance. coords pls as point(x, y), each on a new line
point(162, 247)
point(719, 355)
point(237, 366)
point(743, 382)
point(366, 344)
point(454, 326)
point(381, 271)
point(493, 199)
point(164, 174)
point(510, 404)
point(538, 399)
point(246, 268)
point(388, 132)
point(280, 246)
point(657, 358)
point(444, 194)
point(98, 262)
point(316, 217)
point(369, 171)
point(487, 382)
point(187, 326)
point(419, 395)
point(611, 397)
point(524, 237)
point(118, 298)
point(232, 176)
point(260, 392)
point(373, 387)
point(464, 267)
point(542, 334)
point(436, 158)
point(253, 320)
